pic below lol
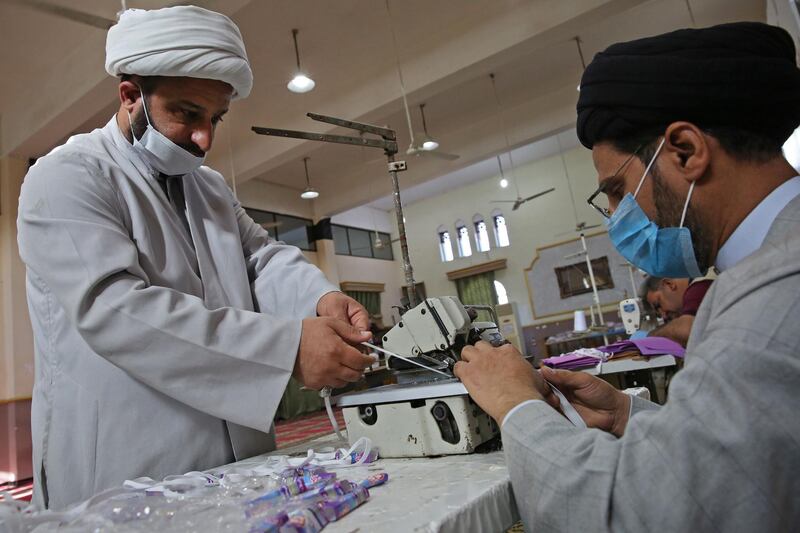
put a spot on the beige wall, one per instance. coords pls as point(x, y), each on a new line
point(541, 221)
point(372, 270)
point(16, 338)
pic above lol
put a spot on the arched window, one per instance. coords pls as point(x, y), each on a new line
point(445, 246)
point(502, 295)
point(500, 228)
point(462, 237)
point(481, 233)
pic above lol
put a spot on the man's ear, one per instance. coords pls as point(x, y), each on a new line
point(687, 150)
point(670, 284)
point(129, 94)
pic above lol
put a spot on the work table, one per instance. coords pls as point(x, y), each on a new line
point(454, 493)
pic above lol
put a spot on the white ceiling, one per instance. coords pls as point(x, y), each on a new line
point(54, 83)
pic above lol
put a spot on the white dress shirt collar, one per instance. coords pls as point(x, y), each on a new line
point(751, 232)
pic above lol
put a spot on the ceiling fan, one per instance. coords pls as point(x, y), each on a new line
point(428, 145)
point(503, 181)
point(520, 200)
point(82, 17)
point(580, 227)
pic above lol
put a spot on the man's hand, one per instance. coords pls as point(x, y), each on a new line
point(339, 305)
point(677, 329)
point(599, 404)
point(326, 355)
point(498, 379)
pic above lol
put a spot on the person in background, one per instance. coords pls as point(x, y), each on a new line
point(686, 130)
point(676, 300)
point(166, 322)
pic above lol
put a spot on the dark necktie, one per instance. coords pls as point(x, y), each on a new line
point(173, 188)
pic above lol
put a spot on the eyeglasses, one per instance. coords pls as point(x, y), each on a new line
point(605, 211)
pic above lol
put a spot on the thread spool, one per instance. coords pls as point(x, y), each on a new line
point(579, 322)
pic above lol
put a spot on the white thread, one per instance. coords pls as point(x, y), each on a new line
point(326, 396)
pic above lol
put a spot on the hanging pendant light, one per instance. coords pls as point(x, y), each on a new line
point(580, 55)
point(377, 243)
point(503, 179)
point(301, 83)
point(309, 193)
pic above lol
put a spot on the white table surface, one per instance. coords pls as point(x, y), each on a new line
point(454, 493)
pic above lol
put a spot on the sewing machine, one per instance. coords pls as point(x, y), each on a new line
point(631, 314)
point(427, 411)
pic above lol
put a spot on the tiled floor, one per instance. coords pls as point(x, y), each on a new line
point(21, 490)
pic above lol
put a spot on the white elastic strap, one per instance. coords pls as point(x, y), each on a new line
point(326, 396)
point(328, 459)
point(601, 357)
point(144, 105)
point(594, 353)
point(130, 124)
point(139, 483)
point(569, 411)
point(686, 205)
point(649, 165)
point(363, 441)
point(173, 485)
point(367, 448)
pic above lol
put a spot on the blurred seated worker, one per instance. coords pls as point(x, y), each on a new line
point(166, 322)
point(685, 130)
point(676, 300)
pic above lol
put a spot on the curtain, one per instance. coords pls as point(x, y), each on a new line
point(478, 290)
point(370, 300)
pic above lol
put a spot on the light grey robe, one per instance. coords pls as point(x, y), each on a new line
point(723, 454)
point(157, 352)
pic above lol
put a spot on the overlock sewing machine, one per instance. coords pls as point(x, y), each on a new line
point(427, 411)
point(424, 410)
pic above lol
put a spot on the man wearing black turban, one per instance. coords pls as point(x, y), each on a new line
point(686, 131)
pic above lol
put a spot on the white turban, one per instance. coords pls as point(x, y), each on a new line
point(179, 41)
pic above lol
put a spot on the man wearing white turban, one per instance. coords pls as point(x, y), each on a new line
point(167, 323)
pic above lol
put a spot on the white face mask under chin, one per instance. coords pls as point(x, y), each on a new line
point(163, 154)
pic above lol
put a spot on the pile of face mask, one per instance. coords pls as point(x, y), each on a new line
point(279, 495)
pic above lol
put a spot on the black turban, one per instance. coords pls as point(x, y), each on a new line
point(741, 75)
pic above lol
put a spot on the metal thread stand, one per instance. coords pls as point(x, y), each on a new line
point(600, 323)
point(388, 143)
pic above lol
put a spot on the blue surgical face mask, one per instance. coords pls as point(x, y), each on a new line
point(163, 154)
point(661, 252)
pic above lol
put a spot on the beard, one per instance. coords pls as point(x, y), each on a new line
point(669, 208)
point(138, 123)
point(139, 126)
